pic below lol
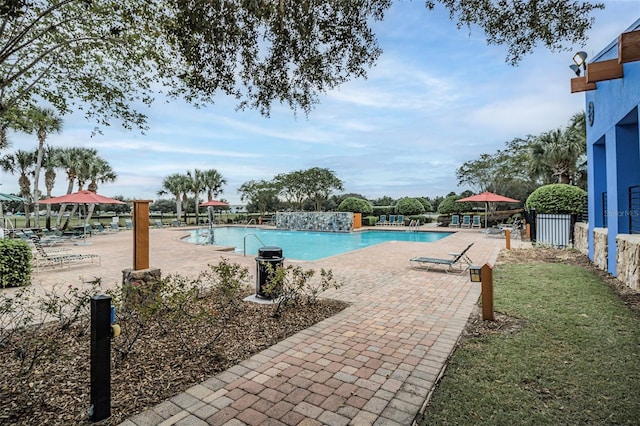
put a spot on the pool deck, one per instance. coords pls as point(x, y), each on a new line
point(375, 363)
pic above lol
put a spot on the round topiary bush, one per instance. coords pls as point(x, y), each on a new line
point(450, 206)
point(355, 205)
point(409, 206)
point(557, 198)
point(428, 207)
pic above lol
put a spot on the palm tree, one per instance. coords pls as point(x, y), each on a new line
point(196, 186)
point(72, 160)
point(50, 163)
point(177, 185)
point(98, 170)
point(42, 121)
point(21, 161)
point(558, 152)
point(213, 182)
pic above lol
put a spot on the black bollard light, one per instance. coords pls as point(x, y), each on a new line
point(100, 407)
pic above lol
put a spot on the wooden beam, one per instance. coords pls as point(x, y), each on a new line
point(604, 70)
point(141, 234)
point(629, 47)
point(579, 84)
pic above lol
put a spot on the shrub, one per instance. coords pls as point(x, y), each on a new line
point(380, 210)
point(557, 198)
point(15, 263)
point(409, 206)
point(369, 220)
point(355, 205)
point(450, 205)
point(428, 207)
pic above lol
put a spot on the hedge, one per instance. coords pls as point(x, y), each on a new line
point(15, 263)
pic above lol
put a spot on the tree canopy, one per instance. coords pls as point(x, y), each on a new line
point(107, 57)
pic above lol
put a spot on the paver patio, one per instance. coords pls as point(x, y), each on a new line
point(374, 363)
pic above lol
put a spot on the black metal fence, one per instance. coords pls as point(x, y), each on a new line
point(552, 229)
point(604, 210)
point(634, 209)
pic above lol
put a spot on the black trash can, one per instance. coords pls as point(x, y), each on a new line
point(267, 256)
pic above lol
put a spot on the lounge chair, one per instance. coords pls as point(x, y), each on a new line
point(382, 220)
point(43, 258)
point(494, 232)
point(459, 262)
point(455, 221)
point(400, 220)
point(175, 222)
point(392, 219)
point(466, 221)
point(159, 223)
point(99, 228)
point(128, 224)
point(476, 222)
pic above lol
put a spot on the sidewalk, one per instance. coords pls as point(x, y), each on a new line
point(375, 363)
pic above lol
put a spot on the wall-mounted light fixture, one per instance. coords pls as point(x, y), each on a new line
point(580, 60)
point(576, 69)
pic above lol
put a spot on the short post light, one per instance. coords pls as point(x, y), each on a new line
point(484, 275)
point(475, 273)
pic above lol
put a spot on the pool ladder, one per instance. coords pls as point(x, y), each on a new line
point(413, 226)
point(244, 242)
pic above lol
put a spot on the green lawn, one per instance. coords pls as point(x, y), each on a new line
point(576, 360)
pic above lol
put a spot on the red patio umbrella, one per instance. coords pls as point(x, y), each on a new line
point(486, 198)
point(81, 197)
point(214, 203)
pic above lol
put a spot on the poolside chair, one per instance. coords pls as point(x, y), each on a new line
point(476, 222)
point(382, 220)
point(458, 263)
point(175, 222)
point(466, 221)
point(99, 228)
point(159, 223)
point(128, 224)
point(400, 220)
point(42, 258)
point(455, 221)
point(392, 219)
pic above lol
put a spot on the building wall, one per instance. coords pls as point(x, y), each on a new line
point(613, 151)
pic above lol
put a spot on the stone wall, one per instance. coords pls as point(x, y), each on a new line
point(581, 237)
point(600, 248)
point(628, 260)
point(315, 221)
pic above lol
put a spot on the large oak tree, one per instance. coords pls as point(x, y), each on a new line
point(107, 57)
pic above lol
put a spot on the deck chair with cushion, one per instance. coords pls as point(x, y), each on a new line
point(458, 262)
point(383, 220)
point(455, 221)
point(159, 223)
point(400, 220)
point(466, 221)
point(392, 219)
point(476, 222)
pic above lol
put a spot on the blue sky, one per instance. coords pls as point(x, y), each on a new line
point(437, 97)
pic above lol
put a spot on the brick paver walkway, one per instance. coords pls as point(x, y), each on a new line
point(375, 363)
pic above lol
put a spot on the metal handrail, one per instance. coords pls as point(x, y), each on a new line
point(251, 220)
point(244, 242)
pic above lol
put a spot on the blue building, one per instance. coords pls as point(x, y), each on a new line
point(611, 82)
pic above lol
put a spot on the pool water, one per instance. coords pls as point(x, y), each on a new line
point(303, 245)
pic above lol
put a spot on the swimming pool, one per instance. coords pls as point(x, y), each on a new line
point(303, 245)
